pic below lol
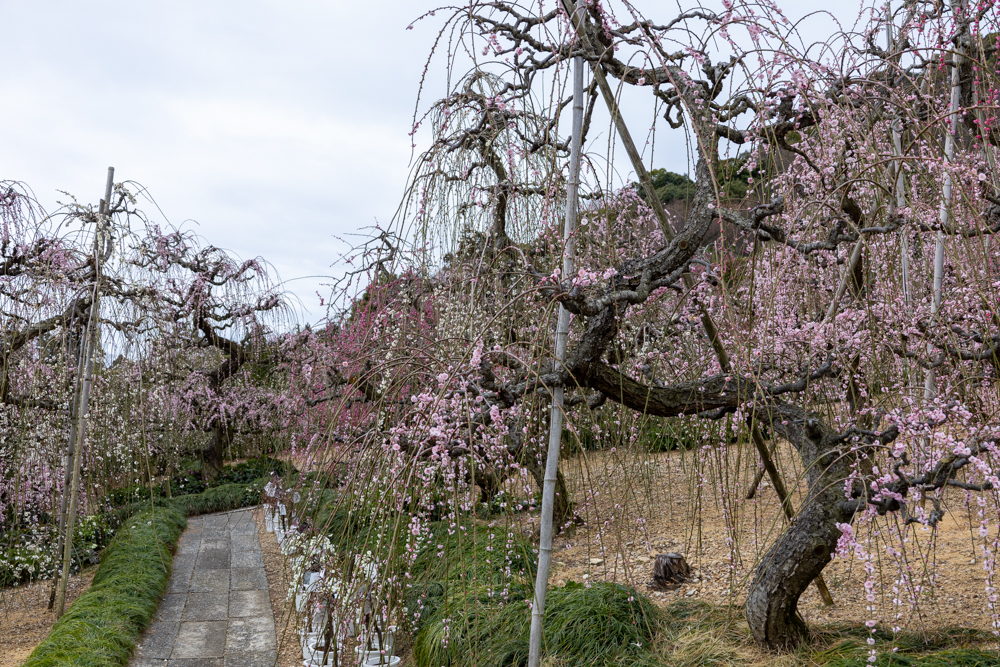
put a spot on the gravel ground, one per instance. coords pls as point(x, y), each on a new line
point(289, 651)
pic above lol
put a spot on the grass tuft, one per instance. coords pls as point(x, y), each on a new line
point(951, 658)
point(601, 625)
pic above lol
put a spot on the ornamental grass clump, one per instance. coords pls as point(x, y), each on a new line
point(471, 560)
point(590, 626)
point(945, 646)
point(694, 633)
point(954, 658)
point(103, 625)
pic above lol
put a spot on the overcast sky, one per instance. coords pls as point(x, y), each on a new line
point(277, 126)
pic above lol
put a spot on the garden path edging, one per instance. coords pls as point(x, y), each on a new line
point(217, 611)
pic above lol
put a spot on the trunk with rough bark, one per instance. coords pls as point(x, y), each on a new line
point(214, 456)
point(805, 548)
point(788, 569)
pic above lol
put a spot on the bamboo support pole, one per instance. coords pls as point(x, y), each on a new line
point(70, 454)
point(930, 376)
point(90, 346)
point(556, 415)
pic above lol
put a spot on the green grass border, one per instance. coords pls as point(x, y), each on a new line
point(103, 626)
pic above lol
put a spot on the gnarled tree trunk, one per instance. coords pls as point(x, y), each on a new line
point(805, 548)
point(563, 509)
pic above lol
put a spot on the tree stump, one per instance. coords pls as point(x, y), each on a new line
point(670, 571)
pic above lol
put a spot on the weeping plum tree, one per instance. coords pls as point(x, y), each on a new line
point(180, 325)
point(44, 276)
point(208, 318)
point(817, 322)
point(42, 294)
point(47, 278)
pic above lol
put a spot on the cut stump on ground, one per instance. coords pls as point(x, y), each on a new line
point(670, 570)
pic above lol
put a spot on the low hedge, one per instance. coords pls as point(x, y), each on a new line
point(222, 498)
point(102, 627)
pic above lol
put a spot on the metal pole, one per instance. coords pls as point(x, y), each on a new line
point(556, 416)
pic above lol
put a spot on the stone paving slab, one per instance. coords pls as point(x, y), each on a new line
point(240, 543)
point(159, 640)
point(241, 529)
point(200, 639)
point(209, 543)
point(210, 581)
point(197, 662)
point(217, 610)
point(249, 603)
point(213, 559)
point(179, 584)
point(252, 634)
point(171, 607)
point(253, 659)
point(206, 607)
point(246, 559)
point(248, 579)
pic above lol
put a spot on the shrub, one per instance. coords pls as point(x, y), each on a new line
point(186, 483)
point(617, 427)
point(221, 498)
point(252, 470)
point(29, 554)
point(670, 434)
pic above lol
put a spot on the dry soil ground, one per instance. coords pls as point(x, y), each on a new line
point(639, 505)
point(25, 619)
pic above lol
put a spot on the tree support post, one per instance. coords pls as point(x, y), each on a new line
point(930, 378)
point(556, 416)
point(90, 345)
point(68, 471)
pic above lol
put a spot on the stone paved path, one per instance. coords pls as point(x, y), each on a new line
point(217, 611)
